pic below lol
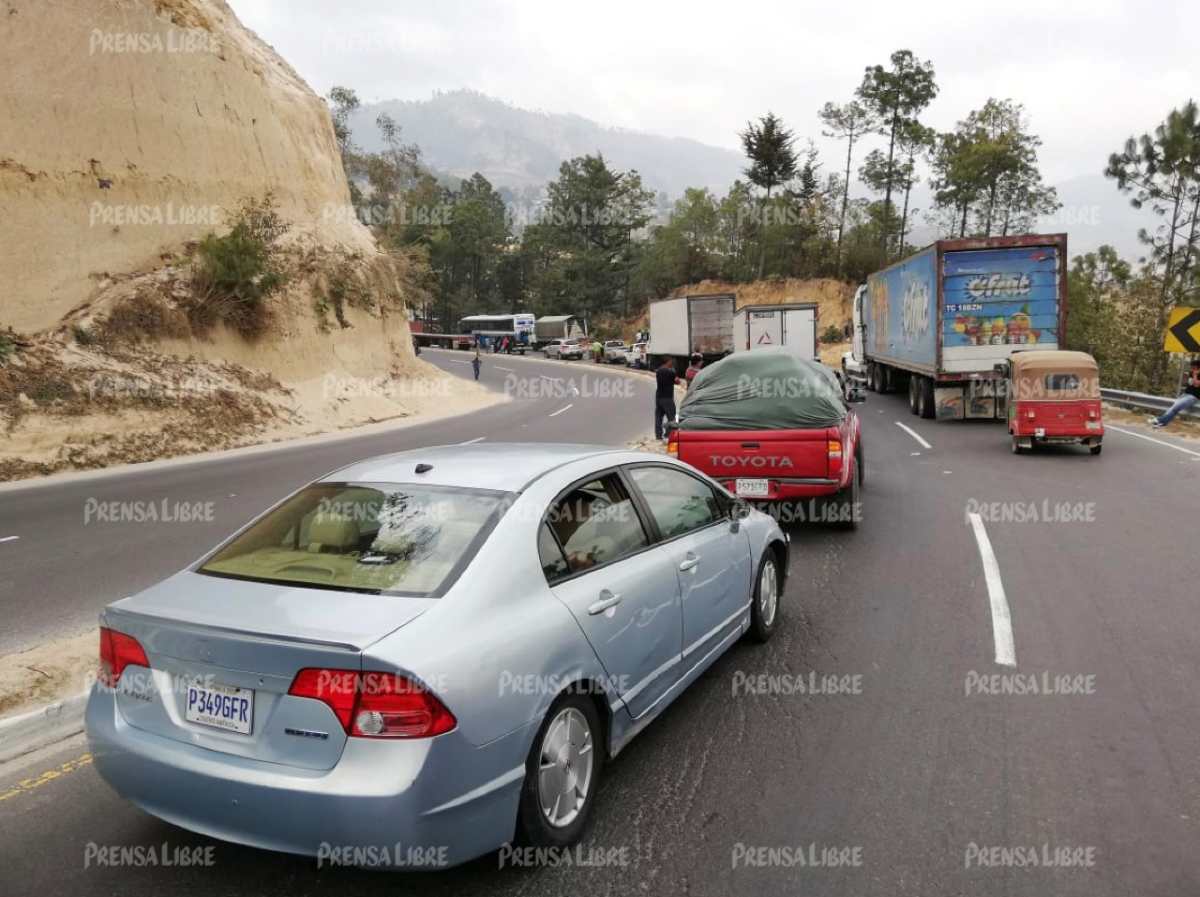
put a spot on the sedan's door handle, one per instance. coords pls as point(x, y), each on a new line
point(689, 563)
point(607, 599)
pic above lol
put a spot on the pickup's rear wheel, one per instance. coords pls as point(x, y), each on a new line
point(847, 502)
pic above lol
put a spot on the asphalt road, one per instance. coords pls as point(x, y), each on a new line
point(902, 778)
point(71, 559)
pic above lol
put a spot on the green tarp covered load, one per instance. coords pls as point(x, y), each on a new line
point(767, 389)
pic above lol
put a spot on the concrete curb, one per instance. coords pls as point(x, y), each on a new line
point(40, 727)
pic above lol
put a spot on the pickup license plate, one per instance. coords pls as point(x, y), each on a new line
point(752, 488)
point(220, 706)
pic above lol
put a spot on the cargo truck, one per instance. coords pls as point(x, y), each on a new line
point(679, 327)
point(792, 326)
point(942, 322)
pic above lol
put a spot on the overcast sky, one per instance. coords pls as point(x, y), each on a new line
point(1090, 72)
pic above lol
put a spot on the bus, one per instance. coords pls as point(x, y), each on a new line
point(490, 329)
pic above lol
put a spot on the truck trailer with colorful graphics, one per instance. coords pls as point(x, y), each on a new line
point(939, 322)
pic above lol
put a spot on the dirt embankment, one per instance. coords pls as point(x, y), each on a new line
point(130, 375)
point(144, 126)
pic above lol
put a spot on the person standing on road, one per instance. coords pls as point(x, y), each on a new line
point(476, 363)
point(664, 395)
point(597, 351)
point(1191, 395)
point(693, 368)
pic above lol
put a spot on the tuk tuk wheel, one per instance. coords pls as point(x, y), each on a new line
point(1095, 449)
point(1017, 447)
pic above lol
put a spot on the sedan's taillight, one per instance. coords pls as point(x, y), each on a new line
point(117, 651)
point(375, 705)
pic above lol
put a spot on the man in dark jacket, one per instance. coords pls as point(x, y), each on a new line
point(664, 395)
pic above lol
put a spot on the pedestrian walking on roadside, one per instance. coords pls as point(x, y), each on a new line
point(694, 368)
point(665, 379)
point(1191, 395)
point(476, 363)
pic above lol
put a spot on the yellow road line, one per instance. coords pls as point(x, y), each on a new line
point(45, 778)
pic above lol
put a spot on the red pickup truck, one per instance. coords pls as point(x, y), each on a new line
point(775, 430)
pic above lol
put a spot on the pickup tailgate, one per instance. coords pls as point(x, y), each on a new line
point(765, 464)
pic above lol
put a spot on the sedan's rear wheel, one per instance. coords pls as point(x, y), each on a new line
point(764, 611)
point(561, 774)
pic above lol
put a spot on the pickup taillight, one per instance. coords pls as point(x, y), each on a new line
point(834, 451)
point(673, 443)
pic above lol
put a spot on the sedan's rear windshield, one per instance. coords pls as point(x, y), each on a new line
point(388, 539)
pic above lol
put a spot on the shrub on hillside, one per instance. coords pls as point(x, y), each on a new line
point(832, 334)
point(235, 273)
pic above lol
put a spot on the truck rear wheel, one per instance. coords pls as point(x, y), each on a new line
point(913, 385)
point(926, 405)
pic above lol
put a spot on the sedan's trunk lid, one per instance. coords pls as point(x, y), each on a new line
point(224, 652)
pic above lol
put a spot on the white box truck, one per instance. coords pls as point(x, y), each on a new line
point(792, 326)
point(679, 327)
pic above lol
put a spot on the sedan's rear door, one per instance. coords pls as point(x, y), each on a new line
point(711, 557)
point(622, 590)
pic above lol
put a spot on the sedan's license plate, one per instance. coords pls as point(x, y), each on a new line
point(751, 487)
point(221, 706)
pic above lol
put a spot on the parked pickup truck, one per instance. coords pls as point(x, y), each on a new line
point(614, 351)
point(771, 427)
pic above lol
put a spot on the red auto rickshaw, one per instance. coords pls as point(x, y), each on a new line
point(1054, 399)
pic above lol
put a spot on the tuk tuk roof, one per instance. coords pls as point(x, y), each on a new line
point(1048, 360)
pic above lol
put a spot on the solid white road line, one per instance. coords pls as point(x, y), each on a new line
point(510, 370)
point(561, 410)
point(473, 441)
point(914, 434)
point(9, 538)
point(1178, 448)
point(1006, 652)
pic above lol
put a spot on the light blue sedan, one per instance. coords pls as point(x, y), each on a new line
point(438, 648)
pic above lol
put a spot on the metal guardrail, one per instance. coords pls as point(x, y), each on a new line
point(1140, 401)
